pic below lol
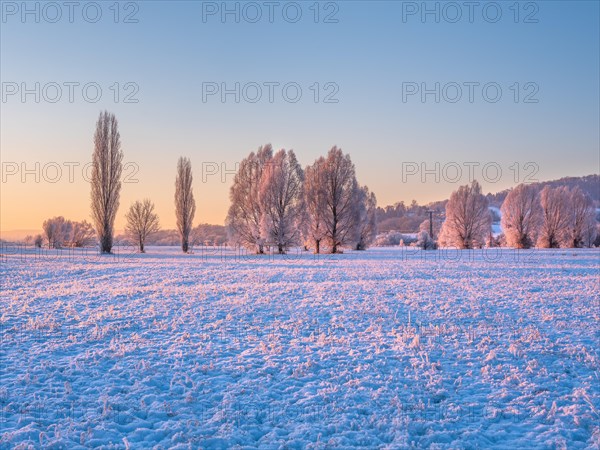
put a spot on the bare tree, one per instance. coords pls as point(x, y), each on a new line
point(583, 218)
point(107, 166)
point(142, 221)
point(556, 217)
point(38, 241)
point(521, 216)
point(185, 206)
point(366, 207)
point(57, 231)
point(282, 201)
point(82, 234)
point(314, 201)
point(244, 218)
point(340, 200)
point(468, 220)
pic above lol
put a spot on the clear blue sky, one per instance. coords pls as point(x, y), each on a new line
point(368, 54)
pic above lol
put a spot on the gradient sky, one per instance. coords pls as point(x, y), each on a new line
point(368, 53)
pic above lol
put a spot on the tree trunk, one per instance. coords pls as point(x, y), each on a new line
point(141, 246)
point(185, 246)
point(280, 249)
point(106, 244)
point(318, 246)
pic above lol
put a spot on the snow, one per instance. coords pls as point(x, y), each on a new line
point(389, 348)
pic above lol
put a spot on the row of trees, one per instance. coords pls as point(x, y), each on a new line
point(274, 202)
point(142, 221)
point(551, 218)
point(107, 168)
point(59, 232)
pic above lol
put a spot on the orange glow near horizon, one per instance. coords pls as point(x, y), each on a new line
point(36, 193)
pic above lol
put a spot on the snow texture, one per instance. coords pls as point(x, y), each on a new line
point(389, 348)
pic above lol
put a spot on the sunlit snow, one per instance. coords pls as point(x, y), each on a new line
point(392, 348)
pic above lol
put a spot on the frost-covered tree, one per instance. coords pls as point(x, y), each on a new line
point(185, 205)
point(38, 241)
point(340, 200)
point(244, 218)
point(281, 201)
point(556, 217)
point(468, 220)
point(107, 166)
point(142, 221)
point(390, 238)
point(57, 231)
point(583, 218)
point(51, 231)
point(314, 201)
point(366, 208)
point(425, 241)
point(206, 234)
point(82, 234)
point(60, 233)
point(521, 216)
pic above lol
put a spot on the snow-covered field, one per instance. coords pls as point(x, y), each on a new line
point(386, 348)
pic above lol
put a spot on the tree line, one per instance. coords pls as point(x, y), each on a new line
point(277, 204)
point(274, 202)
point(552, 217)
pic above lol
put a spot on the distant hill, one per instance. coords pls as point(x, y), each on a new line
point(589, 184)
